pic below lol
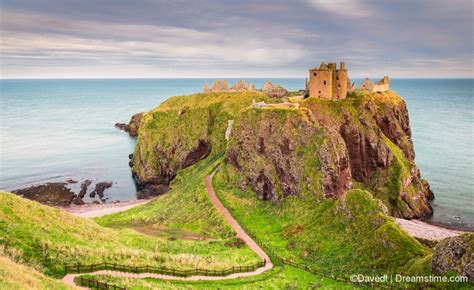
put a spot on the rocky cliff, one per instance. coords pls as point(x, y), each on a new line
point(320, 148)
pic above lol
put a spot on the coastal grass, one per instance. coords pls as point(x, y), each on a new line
point(348, 235)
point(17, 276)
point(49, 238)
point(177, 124)
point(186, 207)
point(280, 277)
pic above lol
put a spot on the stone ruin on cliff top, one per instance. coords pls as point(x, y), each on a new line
point(268, 88)
point(325, 82)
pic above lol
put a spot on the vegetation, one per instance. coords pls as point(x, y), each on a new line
point(18, 276)
point(49, 238)
point(348, 235)
point(280, 277)
point(185, 207)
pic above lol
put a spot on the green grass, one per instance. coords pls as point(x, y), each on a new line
point(349, 235)
point(186, 206)
point(280, 277)
point(18, 276)
point(174, 128)
point(48, 238)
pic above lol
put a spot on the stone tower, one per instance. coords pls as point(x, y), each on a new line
point(328, 82)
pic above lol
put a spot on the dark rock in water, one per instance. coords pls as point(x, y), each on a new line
point(152, 191)
point(99, 189)
point(70, 180)
point(455, 254)
point(53, 193)
point(130, 156)
point(84, 185)
point(132, 126)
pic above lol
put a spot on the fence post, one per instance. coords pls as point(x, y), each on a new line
point(78, 268)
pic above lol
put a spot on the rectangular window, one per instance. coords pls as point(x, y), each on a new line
point(324, 82)
point(314, 74)
point(337, 78)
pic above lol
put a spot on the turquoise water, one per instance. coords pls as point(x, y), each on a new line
point(57, 129)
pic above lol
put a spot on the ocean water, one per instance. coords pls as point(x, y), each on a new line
point(52, 130)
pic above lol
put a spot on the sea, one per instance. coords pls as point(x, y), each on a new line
point(56, 129)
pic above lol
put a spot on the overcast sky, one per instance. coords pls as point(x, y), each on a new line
point(246, 38)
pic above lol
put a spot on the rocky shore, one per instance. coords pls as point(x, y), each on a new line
point(69, 192)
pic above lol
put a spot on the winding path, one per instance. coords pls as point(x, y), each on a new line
point(69, 278)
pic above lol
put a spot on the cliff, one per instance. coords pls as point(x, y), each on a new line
point(321, 148)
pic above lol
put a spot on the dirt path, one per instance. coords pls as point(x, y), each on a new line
point(419, 229)
point(69, 278)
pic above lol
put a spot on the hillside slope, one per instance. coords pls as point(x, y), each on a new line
point(50, 238)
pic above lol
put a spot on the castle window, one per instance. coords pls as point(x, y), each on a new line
point(339, 85)
point(324, 82)
point(337, 78)
point(319, 92)
point(314, 74)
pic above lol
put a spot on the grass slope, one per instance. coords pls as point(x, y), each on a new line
point(18, 276)
point(48, 237)
point(349, 235)
point(186, 206)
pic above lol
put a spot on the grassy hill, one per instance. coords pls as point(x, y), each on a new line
point(49, 238)
point(18, 276)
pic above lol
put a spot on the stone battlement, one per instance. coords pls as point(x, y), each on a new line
point(331, 83)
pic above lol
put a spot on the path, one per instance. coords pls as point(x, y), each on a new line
point(69, 278)
point(420, 229)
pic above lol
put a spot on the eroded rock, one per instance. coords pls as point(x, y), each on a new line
point(52, 193)
point(455, 254)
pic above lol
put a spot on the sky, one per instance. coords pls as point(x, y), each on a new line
point(245, 38)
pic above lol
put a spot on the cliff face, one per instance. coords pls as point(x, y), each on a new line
point(181, 132)
point(323, 148)
point(281, 152)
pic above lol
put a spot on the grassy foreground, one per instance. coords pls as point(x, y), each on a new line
point(18, 276)
point(280, 277)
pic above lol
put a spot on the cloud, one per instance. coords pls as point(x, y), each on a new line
point(226, 38)
point(348, 8)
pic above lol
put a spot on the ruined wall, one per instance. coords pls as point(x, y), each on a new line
point(320, 83)
point(341, 82)
point(382, 85)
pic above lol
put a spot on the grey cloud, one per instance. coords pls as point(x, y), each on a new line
point(250, 38)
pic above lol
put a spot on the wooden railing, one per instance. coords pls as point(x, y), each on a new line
point(79, 268)
point(95, 284)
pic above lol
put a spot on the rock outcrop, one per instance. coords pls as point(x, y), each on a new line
point(455, 254)
point(311, 147)
point(52, 193)
point(132, 127)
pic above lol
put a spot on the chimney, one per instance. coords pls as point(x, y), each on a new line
point(343, 65)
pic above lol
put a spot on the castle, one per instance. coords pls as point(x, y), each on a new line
point(331, 83)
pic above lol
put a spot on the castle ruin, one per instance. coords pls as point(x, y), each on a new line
point(328, 82)
point(331, 83)
point(380, 86)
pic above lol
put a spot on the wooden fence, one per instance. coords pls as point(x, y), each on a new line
point(78, 268)
point(94, 284)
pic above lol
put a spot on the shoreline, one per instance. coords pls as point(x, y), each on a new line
point(92, 210)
